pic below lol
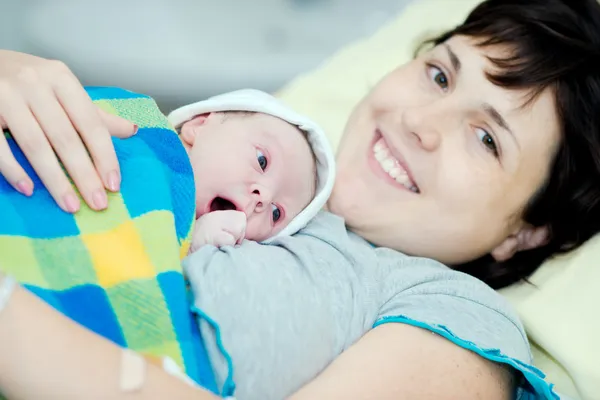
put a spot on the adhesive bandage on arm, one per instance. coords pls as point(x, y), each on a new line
point(7, 287)
point(133, 371)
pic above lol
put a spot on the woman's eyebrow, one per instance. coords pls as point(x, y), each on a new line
point(488, 108)
point(499, 119)
point(454, 60)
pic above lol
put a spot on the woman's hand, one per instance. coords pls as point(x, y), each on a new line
point(51, 117)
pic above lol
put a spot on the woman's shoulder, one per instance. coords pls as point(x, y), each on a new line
point(425, 290)
point(405, 288)
point(392, 287)
point(426, 294)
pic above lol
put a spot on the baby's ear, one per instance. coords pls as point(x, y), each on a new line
point(190, 128)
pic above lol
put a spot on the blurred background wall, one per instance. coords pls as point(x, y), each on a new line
point(180, 51)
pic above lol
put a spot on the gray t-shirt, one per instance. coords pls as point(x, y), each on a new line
point(288, 309)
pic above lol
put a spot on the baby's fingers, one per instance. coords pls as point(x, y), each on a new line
point(223, 238)
point(234, 222)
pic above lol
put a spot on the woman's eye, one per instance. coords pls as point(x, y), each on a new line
point(262, 160)
point(438, 76)
point(276, 212)
point(488, 141)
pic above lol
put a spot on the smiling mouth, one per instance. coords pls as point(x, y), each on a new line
point(221, 204)
point(392, 166)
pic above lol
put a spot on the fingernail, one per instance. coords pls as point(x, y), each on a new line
point(114, 181)
point(71, 203)
point(100, 200)
point(24, 188)
point(135, 129)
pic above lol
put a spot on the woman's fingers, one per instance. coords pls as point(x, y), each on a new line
point(47, 111)
point(69, 148)
point(80, 133)
point(117, 126)
point(94, 133)
point(32, 141)
point(12, 170)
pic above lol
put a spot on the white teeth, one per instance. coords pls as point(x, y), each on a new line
point(395, 172)
point(387, 164)
point(390, 165)
point(404, 180)
point(381, 155)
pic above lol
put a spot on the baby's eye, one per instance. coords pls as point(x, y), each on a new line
point(276, 212)
point(262, 160)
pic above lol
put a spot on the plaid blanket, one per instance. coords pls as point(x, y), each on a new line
point(116, 272)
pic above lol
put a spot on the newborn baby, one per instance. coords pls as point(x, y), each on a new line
point(261, 170)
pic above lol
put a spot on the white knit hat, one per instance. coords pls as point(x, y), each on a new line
point(257, 101)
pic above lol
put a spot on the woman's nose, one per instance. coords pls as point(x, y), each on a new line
point(429, 139)
point(425, 125)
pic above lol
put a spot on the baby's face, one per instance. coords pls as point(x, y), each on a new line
point(255, 163)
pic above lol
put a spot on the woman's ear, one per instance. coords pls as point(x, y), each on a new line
point(190, 128)
point(527, 238)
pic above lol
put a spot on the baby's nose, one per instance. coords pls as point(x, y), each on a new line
point(261, 198)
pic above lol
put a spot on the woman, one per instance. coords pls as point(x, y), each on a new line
point(488, 123)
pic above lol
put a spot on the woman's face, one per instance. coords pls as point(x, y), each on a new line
point(438, 162)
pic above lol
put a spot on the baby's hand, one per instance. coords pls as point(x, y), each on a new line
point(219, 228)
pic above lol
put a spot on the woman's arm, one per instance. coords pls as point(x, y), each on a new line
point(393, 361)
point(396, 361)
point(45, 355)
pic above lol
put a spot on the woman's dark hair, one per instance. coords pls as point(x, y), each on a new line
point(555, 45)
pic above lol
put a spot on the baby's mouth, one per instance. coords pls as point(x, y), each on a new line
point(221, 204)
